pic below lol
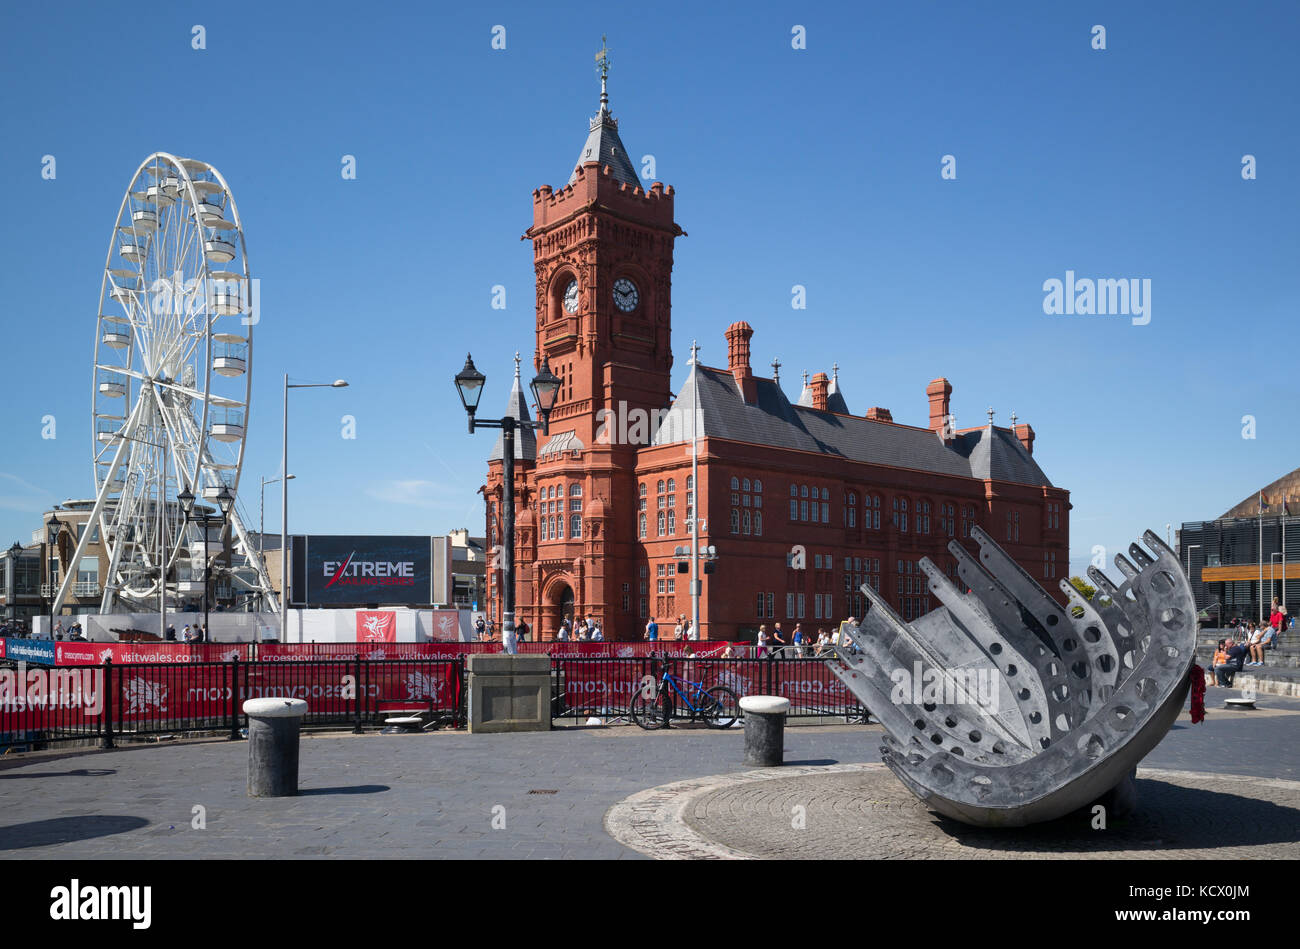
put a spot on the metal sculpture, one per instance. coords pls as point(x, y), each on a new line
point(1003, 708)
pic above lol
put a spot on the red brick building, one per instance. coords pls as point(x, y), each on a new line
point(604, 500)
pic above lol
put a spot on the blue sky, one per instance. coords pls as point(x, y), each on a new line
point(818, 167)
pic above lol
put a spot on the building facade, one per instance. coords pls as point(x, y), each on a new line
point(1249, 555)
point(804, 501)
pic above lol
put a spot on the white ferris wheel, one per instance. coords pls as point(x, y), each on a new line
point(171, 383)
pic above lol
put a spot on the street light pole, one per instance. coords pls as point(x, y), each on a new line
point(284, 489)
point(545, 386)
point(695, 490)
point(53, 529)
point(1190, 548)
point(261, 527)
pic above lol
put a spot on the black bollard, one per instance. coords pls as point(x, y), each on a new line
point(273, 726)
point(764, 730)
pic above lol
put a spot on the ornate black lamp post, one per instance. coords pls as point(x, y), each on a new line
point(225, 500)
point(545, 386)
point(52, 531)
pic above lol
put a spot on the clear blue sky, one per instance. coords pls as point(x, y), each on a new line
point(818, 167)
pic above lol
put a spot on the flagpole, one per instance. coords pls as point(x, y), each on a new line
point(1261, 557)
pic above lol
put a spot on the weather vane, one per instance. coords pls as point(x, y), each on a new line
point(602, 67)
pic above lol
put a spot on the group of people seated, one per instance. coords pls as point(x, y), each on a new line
point(1245, 647)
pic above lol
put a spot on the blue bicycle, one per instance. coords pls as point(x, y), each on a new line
point(655, 703)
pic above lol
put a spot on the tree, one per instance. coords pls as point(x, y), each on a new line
point(1085, 589)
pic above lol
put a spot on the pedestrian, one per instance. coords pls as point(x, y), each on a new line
point(171, 632)
point(762, 641)
point(652, 630)
point(597, 634)
point(480, 627)
point(778, 642)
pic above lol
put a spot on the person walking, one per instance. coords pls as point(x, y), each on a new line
point(652, 630)
point(762, 641)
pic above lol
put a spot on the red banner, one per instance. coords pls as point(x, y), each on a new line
point(376, 626)
point(94, 654)
point(446, 626)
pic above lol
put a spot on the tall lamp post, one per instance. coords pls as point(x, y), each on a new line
point(545, 386)
point(284, 489)
point(11, 599)
point(225, 500)
point(1190, 548)
point(52, 531)
point(261, 528)
point(1272, 576)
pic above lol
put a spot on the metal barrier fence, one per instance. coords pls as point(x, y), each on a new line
point(110, 701)
point(604, 686)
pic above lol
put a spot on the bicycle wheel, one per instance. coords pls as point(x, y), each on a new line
point(648, 713)
point(723, 709)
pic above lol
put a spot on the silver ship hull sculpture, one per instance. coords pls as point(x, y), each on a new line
point(1004, 709)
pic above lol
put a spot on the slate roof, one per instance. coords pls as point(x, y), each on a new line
point(835, 398)
point(984, 453)
point(525, 438)
point(603, 145)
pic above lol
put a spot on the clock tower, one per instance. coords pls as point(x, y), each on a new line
point(603, 256)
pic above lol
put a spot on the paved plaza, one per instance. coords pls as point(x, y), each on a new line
point(560, 794)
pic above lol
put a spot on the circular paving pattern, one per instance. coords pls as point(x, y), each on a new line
point(862, 811)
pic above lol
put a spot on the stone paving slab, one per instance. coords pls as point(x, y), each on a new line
point(852, 812)
point(434, 794)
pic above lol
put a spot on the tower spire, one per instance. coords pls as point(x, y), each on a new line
point(602, 66)
point(516, 364)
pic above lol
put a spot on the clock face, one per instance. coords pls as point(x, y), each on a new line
point(625, 295)
point(571, 297)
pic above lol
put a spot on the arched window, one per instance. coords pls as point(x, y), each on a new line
point(803, 490)
point(967, 519)
point(643, 489)
point(672, 521)
point(661, 524)
point(826, 494)
point(735, 483)
point(641, 527)
point(575, 490)
point(672, 484)
point(923, 517)
point(758, 486)
point(690, 483)
point(559, 523)
point(735, 520)
point(794, 490)
point(575, 526)
point(660, 487)
point(747, 521)
point(744, 485)
point(758, 523)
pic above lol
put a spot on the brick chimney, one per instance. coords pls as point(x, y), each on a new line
point(878, 414)
point(1026, 435)
point(940, 393)
point(819, 386)
point(738, 336)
